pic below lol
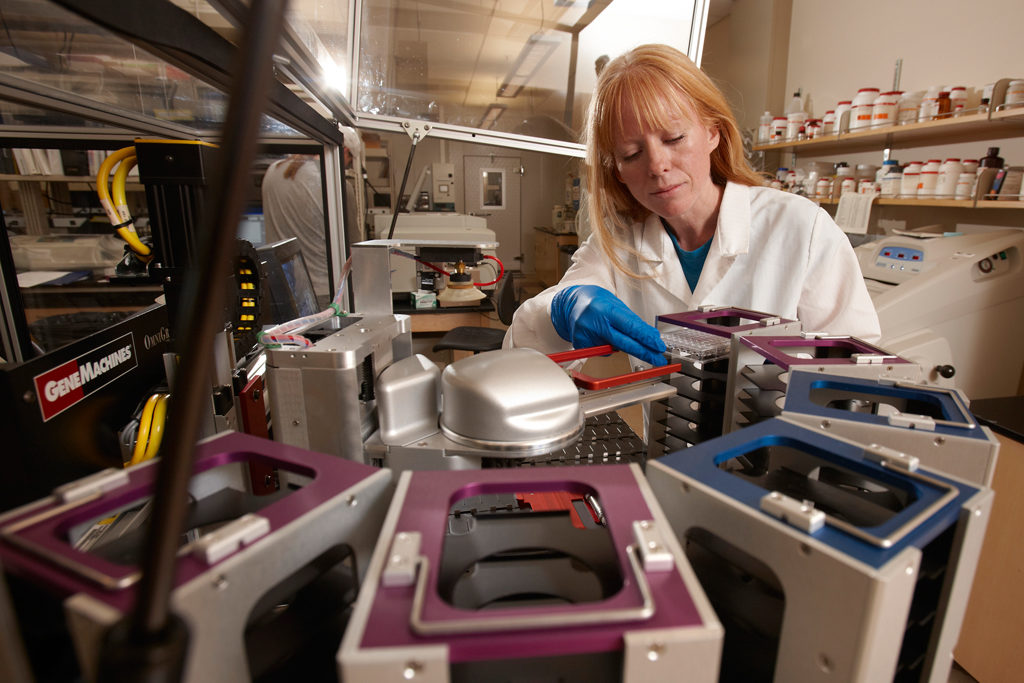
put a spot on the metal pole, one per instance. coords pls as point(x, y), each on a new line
point(151, 644)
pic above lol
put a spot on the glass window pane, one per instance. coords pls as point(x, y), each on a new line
point(506, 65)
point(493, 188)
point(44, 44)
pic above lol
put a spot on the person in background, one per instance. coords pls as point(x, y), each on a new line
point(680, 220)
point(293, 206)
point(292, 195)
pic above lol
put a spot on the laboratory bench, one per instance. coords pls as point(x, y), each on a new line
point(442, 319)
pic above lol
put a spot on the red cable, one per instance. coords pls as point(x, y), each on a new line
point(501, 271)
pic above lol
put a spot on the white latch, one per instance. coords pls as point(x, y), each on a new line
point(811, 334)
point(100, 482)
point(769, 322)
point(871, 358)
point(400, 567)
point(890, 457)
point(793, 512)
point(912, 421)
point(216, 545)
point(655, 556)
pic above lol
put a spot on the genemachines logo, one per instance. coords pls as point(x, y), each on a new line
point(65, 385)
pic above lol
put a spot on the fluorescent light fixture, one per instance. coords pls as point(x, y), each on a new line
point(494, 111)
point(533, 55)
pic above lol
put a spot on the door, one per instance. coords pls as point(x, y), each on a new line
point(493, 191)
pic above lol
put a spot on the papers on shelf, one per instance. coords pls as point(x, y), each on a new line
point(853, 212)
point(31, 278)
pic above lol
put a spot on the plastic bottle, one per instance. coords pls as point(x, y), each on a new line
point(892, 176)
point(958, 95)
point(929, 180)
point(796, 104)
point(964, 186)
point(929, 105)
point(794, 122)
point(764, 128)
point(949, 174)
point(778, 130)
point(908, 107)
point(911, 178)
point(843, 172)
point(863, 103)
point(823, 188)
point(842, 111)
point(883, 111)
point(986, 97)
point(828, 123)
point(1014, 92)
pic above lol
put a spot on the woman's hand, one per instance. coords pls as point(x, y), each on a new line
point(588, 315)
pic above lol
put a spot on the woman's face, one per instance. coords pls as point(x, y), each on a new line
point(667, 170)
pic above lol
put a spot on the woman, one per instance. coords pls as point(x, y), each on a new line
point(680, 220)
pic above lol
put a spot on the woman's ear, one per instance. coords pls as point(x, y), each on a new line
point(713, 136)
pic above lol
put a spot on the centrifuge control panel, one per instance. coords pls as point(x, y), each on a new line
point(900, 258)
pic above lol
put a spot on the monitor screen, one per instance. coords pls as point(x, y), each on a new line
point(287, 287)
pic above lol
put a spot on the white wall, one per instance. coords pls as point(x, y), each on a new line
point(837, 47)
point(746, 55)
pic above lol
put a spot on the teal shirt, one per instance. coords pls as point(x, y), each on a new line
point(692, 261)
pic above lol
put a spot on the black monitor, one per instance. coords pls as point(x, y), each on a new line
point(287, 287)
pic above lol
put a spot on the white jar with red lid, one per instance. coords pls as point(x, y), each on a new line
point(883, 111)
point(860, 108)
point(828, 122)
point(929, 105)
point(965, 186)
point(949, 174)
point(911, 179)
point(842, 109)
point(794, 122)
point(908, 107)
point(929, 180)
point(823, 188)
point(958, 95)
point(778, 130)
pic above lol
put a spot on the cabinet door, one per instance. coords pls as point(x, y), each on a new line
point(546, 257)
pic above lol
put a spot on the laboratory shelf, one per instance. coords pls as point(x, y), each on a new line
point(941, 203)
point(964, 128)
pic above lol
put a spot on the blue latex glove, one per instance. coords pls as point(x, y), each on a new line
point(588, 315)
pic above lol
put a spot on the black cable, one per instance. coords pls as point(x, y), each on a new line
point(366, 180)
point(405, 179)
point(202, 297)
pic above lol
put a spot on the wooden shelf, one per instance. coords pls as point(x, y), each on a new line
point(73, 179)
point(940, 203)
point(965, 128)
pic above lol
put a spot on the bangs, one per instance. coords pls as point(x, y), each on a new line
point(641, 89)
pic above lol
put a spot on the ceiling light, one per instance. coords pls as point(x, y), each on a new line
point(533, 55)
point(494, 111)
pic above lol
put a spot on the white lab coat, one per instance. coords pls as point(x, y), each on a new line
point(772, 252)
